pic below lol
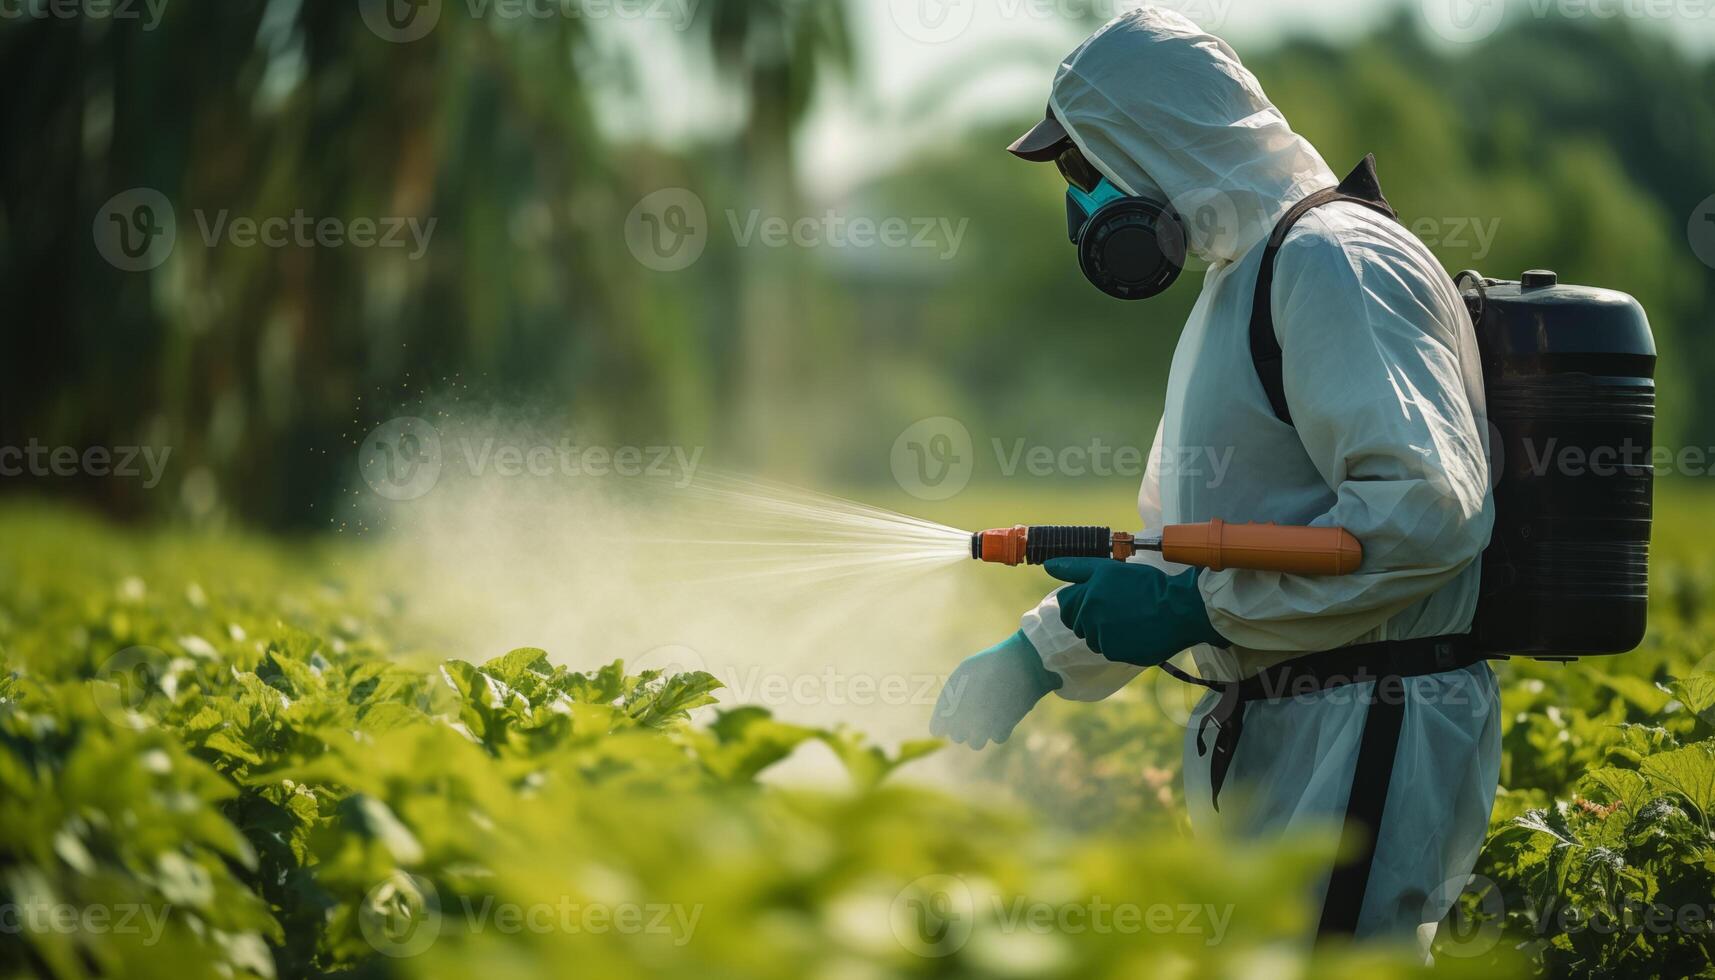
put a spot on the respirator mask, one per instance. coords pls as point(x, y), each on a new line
point(1130, 247)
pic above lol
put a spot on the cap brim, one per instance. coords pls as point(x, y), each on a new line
point(1045, 141)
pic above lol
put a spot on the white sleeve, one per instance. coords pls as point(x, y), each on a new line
point(1385, 386)
point(1088, 675)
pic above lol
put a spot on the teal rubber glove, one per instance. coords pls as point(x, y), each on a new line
point(1130, 612)
point(987, 695)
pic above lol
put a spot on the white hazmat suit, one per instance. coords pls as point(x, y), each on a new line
point(1388, 441)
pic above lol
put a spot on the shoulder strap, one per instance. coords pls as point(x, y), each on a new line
point(1360, 187)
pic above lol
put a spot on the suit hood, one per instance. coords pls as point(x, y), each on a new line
point(1164, 109)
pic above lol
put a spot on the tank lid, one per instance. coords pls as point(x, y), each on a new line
point(1540, 315)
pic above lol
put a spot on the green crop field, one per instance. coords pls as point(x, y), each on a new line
point(219, 753)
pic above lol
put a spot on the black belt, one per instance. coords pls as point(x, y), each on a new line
point(1387, 664)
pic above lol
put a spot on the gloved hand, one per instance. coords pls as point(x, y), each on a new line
point(1131, 612)
point(988, 694)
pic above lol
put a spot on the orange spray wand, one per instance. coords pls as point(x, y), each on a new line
point(1216, 545)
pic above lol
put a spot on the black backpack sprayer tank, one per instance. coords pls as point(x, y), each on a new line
point(1570, 377)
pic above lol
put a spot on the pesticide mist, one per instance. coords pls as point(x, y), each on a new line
point(820, 608)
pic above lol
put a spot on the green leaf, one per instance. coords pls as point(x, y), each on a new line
point(750, 740)
point(520, 666)
point(388, 715)
point(605, 686)
point(1540, 822)
point(1625, 787)
point(1697, 693)
point(223, 741)
point(488, 706)
point(375, 820)
point(1688, 772)
point(673, 699)
point(868, 764)
point(296, 677)
point(1637, 692)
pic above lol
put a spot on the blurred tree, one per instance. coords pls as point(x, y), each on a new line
point(258, 365)
point(774, 51)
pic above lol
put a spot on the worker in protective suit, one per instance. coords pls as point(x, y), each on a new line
point(1374, 422)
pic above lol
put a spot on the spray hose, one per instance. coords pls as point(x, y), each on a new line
point(1216, 545)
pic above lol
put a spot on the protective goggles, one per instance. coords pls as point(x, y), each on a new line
point(1077, 170)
